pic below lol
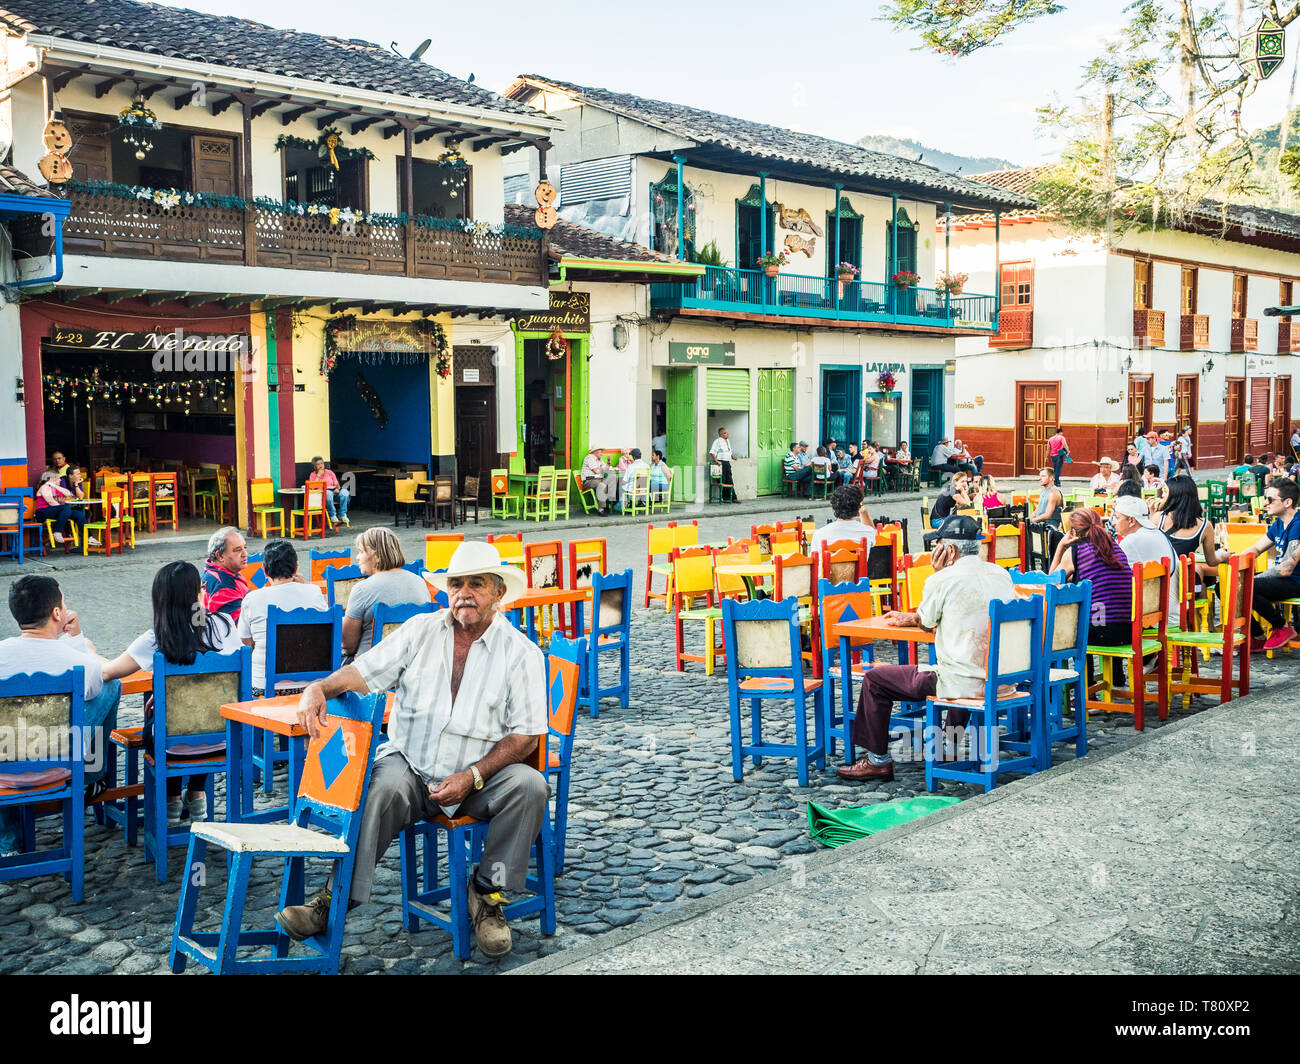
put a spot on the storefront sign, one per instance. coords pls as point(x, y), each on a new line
point(389, 337)
point(176, 340)
point(680, 354)
point(885, 367)
point(470, 376)
point(569, 312)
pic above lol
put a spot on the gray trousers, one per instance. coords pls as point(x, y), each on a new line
point(606, 488)
point(513, 801)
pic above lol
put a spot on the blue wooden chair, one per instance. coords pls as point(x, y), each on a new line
point(339, 582)
point(610, 632)
point(416, 567)
point(335, 783)
point(420, 900)
point(565, 660)
point(1015, 658)
point(1067, 608)
point(323, 560)
point(189, 736)
point(387, 619)
point(55, 704)
point(301, 646)
point(764, 662)
point(843, 602)
point(1035, 577)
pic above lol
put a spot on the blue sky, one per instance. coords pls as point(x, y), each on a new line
point(819, 66)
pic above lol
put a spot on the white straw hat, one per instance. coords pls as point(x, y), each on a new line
point(474, 558)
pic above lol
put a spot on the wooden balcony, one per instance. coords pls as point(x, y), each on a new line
point(1015, 329)
point(1288, 338)
point(1148, 328)
point(1244, 334)
point(259, 236)
point(1194, 332)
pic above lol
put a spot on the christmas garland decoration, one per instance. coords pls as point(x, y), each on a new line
point(557, 346)
point(885, 382)
point(171, 197)
point(437, 337)
point(61, 389)
point(329, 145)
point(430, 330)
point(371, 399)
point(330, 350)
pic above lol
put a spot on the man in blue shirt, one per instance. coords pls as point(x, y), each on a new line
point(1281, 581)
point(797, 470)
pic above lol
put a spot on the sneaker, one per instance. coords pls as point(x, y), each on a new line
point(1257, 644)
point(174, 812)
point(59, 539)
point(488, 922)
point(197, 804)
point(94, 542)
point(1280, 638)
point(346, 522)
point(303, 921)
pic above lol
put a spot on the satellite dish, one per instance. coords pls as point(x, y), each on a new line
point(424, 47)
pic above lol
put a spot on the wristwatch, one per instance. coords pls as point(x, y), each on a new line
point(478, 777)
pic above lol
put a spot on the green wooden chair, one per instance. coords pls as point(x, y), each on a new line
point(661, 500)
point(819, 487)
point(1218, 495)
point(586, 496)
point(541, 502)
point(560, 495)
point(910, 478)
point(638, 500)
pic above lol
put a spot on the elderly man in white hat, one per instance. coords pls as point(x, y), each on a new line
point(470, 710)
point(1107, 479)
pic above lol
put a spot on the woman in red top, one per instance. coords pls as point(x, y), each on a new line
point(1057, 450)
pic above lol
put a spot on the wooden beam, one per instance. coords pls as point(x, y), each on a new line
point(391, 131)
point(150, 90)
point(290, 117)
point(105, 87)
point(365, 123)
point(198, 301)
point(185, 99)
point(65, 77)
point(154, 298)
point(272, 304)
point(68, 295)
point(125, 293)
point(234, 302)
point(327, 120)
point(435, 131)
point(484, 142)
point(266, 105)
point(223, 105)
point(510, 149)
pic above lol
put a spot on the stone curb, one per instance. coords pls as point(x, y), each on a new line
point(826, 860)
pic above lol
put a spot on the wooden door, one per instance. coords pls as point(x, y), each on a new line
point(1259, 423)
point(1139, 405)
point(1037, 416)
point(1185, 406)
point(679, 416)
point(775, 427)
point(1234, 423)
point(841, 400)
point(92, 148)
point(214, 165)
point(476, 435)
point(927, 411)
point(1282, 415)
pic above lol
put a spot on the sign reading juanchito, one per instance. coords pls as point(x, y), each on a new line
point(569, 312)
point(177, 350)
point(682, 354)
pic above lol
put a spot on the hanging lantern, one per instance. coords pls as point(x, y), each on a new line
point(1263, 48)
point(454, 171)
point(138, 123)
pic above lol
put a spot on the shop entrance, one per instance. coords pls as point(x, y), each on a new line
point(552, 410)
point(379, 408)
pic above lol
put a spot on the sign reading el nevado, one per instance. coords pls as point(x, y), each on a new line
point(569, 312)
point(177, 340)
point(701, 354)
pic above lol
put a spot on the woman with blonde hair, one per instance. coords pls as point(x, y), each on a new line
point(378, 554)
point(988, 492)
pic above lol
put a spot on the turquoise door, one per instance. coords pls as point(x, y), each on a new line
point(841, 405)
point(927, 411)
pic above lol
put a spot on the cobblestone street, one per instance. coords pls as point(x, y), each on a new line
point(655, 817)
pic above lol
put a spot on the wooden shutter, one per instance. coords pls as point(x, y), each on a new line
point(1189, 290)
point(726, 389)
point(1238, 295)
point(215, 163)
point(1142, 284)
point(92, 149)
point(1259, 414)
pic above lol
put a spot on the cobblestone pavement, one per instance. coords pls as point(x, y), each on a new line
point(655, 818)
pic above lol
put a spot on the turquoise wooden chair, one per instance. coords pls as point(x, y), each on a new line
point(843, 660)
point(339, 582)
point(1067, 608)
point(764, 662)
point(56, 704)
point(1015, 658)
point(565, 659)
point(1035, 577)
point(387, 619)
point(189, 737)
point(610, 633)
point(335, 783)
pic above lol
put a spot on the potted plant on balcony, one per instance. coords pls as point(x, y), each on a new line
point(907, 279)
point(952, 283)
point(772, 262)
point(845, 272)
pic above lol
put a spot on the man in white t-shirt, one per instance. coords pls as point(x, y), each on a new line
point(283, 589)
point(720, 452)
point(1144, 542)
point(52, 642)
point(851, 520)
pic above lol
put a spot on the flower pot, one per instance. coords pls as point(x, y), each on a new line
point(771, 271)
point(955, 291)
point(844, 277)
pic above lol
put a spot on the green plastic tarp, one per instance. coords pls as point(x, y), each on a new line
point(835, 827)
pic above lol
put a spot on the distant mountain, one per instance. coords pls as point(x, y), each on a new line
point(910, 149)
point(1276, 189)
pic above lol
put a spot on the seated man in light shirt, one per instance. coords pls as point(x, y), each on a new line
point(629, 479)
point(51, 641)
point(284, 589)
point(851, 520)
point(1107, 479)
point(597, 477)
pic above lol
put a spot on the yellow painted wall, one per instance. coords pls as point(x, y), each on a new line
point(311, 406)
point(261, 404)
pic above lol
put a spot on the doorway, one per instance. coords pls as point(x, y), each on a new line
point(1186, 405)
point(1234, 423)
point(775, 428)
point(679, 429)
point(476, 434)
point(1282, 415)
point(841, 405)
point(927, 411)
point(1037, 417)
point(1259, 423)
point(1139, 405)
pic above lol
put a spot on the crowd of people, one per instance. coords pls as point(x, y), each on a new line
point(837, 463)
point(616, 486)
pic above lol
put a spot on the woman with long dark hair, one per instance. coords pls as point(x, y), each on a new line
point(1184, 522)
point(1089, 553)
point(182, 629)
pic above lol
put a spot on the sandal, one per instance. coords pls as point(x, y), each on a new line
point(96, 789)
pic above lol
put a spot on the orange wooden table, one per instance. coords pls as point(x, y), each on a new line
point(280, 716)
point(533, 597)
point(139, 682)
point(873, 628)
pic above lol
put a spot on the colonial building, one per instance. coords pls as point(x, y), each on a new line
point(774, 355)
point(1165, 328)
point(315, 215)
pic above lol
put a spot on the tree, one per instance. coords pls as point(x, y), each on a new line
point(1156, 130)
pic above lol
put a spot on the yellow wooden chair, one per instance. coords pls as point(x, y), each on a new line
point(439, 547)
point(141, 491)
point(312, 515)
point(267, 517)
point(164, 489)
point(659, 543)
point(510, 547)
point(115, 515)
point(693, 581)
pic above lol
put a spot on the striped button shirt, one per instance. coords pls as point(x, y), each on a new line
point(502, 692)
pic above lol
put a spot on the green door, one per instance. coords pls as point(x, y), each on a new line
point(775, 427)
point(680, 429)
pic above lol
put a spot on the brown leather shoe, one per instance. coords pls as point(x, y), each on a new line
point(865, 772)
point(303, 921)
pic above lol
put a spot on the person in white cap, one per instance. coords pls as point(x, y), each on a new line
point(1107, 479)
point(1144, 542)
point(471, 707)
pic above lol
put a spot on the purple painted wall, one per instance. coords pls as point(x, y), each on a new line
point(187, 447)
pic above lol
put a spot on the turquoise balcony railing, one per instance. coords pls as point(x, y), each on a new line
point(801, 295)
